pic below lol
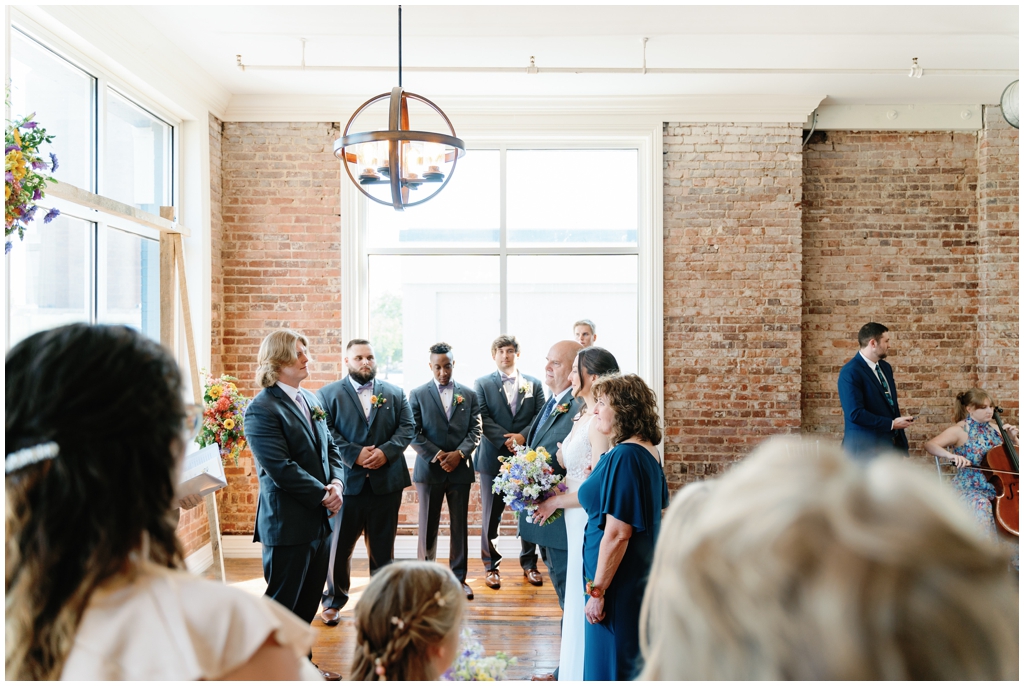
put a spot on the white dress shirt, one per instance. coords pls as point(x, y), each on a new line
point(365, 395)
point(293, 393)
point(446, 396)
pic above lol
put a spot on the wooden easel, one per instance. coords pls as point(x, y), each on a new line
point(172, 262)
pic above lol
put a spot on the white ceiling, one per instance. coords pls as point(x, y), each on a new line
point(983, 39)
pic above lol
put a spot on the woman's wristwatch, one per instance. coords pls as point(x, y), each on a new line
point(594, 591)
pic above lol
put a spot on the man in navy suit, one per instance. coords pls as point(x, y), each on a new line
point(509, 400)
point(372, 426)
point(300, 475)
point(867, 390)
point(447, 418)
point(549, 428)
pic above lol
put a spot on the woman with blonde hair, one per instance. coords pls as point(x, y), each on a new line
point(966, 444)
point(408, 623)
point(623, 498)
point(96, 431)
point(800, 564)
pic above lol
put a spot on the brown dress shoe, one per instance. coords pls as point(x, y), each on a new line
point(468, 590)
point(534, 577)
point(493, 579)
point(330, 616)
point(328, 676)
point(550, 676)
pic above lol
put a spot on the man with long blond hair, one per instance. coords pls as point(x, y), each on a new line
point(300, 473)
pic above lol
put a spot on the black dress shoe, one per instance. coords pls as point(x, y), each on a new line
point(328, 676)
point(468, 590)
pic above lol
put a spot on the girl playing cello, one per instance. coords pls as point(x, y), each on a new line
point(966, 444)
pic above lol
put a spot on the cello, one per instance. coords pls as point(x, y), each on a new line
point(1003, 466)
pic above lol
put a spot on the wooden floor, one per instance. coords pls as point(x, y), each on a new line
point(520, 619)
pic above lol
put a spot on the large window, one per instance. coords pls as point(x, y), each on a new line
point(87, 266)
point(521, 241)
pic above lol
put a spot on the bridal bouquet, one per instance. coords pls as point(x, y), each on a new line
point(471, 665)
point(526, 479)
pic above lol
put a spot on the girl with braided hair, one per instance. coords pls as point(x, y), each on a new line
point(408, 623)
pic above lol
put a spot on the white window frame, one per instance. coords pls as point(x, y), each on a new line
point(647, 141)
point(101, 220)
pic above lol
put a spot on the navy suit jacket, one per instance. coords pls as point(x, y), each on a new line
point(867, 417)
point(497, 418)
point(389, 427)
point(295, 460)
point(549, 434)
point(434, 432)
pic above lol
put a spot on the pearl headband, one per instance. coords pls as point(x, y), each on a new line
point(26, 456)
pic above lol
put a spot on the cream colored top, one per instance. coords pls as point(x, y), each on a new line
point(169, 624)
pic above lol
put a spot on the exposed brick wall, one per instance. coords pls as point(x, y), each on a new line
point(732, 264)
point(280, 262)
point(998, 264)
point(890, 235)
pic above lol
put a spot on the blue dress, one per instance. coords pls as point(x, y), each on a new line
point(628, 484)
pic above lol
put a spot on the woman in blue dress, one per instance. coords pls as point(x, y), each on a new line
point(965, 444)
point(623, 499)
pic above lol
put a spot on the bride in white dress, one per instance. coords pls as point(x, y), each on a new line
point(578, 454)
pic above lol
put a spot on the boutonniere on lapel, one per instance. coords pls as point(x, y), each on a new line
point(526, 388)
point(377, 400)
point(318, 413)
point(459, 398)
point(560, 409)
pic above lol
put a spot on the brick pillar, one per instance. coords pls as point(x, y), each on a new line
point(732, 291)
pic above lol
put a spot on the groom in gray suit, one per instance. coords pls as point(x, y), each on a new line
point(372, 426)
point(509, 401)
point(447, 419)
point(548, 429)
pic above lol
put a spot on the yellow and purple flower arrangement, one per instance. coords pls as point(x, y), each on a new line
point(526, 479)
point(223, 417)
point(24, 182)
point(471, 665)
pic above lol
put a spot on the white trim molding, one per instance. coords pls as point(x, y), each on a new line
point(201, 560)
point(897, 118)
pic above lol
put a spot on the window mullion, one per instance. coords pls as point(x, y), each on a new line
point(503, 244)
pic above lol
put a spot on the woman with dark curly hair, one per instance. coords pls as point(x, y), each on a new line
point(96, 431)
point(623, 499)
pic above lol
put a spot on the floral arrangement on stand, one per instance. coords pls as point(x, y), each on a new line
point(471, 665)
point(24, 179)
point(223, 417)
point(526, 479)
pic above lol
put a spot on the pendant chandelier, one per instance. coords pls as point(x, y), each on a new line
point(400, 167)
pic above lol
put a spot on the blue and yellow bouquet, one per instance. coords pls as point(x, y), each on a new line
point(526, 479)
point(471, 665)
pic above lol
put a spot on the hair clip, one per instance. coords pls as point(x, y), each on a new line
point(398, 622)
point(438, 598)
point(26, 456)
point(379, 668)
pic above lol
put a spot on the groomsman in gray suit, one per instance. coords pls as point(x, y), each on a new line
point(447, 418)
point(509, 400)
point(549, 428)
point(372, 426)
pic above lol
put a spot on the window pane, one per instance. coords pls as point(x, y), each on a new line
point(466, 213)
point(50, 276)
point(137, 166)
point(547, 294)
point(572, 197)
point(416, 301)
point(130, 289)
point(61, 96)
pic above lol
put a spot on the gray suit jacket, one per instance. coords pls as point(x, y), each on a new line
point(549, 434)
point(389, 427)
point(497, 418)
point(295, 460)
point(434, 432)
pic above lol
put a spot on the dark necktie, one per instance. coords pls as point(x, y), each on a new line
point(885, 385)
point(544, 414)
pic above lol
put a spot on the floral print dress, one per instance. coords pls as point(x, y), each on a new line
point(973, 486)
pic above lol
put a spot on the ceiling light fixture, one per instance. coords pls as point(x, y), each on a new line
point(399, 166)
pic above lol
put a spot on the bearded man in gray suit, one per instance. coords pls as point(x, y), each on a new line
point(548, 429)
point(372, 425)
point(509, 402)
point(447, 418)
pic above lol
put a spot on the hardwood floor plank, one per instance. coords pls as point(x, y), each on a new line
point(520, 619)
